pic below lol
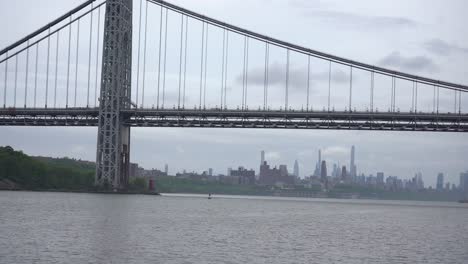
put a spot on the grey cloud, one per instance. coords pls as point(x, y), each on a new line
point(297, 76)
point(442, 48)
point(344, 19)
point(413, 64)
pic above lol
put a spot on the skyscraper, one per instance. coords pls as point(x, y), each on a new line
point(262, 162)
point(296, 169)
point(440, 182)
point(352, 167)
point(344, 174)
point(318, 169)
point(323, 171)
point(166, 169)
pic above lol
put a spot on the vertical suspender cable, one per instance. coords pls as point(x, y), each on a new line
point(287, 81)
point(394, 94)
point(185, 58)
point(350, 89)
point(391, 96)
point(412, 99)
point(201, 66)
point(180, 57)
point(226, 71)
point(165, 60)
point(222, 70)
point(97, 57)
point(308, 83)
point(76, 62)
point(89, 54)
point(206, 66)
point(246, 73)
point(144, 57)
point(26, 77)
point(6, 80)
point(329, 85)
point(35, 76)
point(56, 68)
point(159, 57)
point(138, 56)
point(459, 101)
point(455, 102)
point(265, 76)
point(434, 100)
point(372, 92)
point(243, 72)
point(47, 69)
point(16, 80)
point(438, 97)
point(416, 98)
point(68, 65)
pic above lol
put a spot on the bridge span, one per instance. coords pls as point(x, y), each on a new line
point(223, 118)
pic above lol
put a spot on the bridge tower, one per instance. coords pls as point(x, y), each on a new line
point(113, 142)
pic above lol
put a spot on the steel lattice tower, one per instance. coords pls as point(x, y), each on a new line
point(113, 143)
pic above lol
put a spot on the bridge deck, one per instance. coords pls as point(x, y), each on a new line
point(218, 118)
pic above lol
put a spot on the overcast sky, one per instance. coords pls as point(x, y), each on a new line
point(421, 37)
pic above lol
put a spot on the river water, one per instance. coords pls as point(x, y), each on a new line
point(93, 228)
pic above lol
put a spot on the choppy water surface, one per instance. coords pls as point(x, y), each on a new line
point(92, 228)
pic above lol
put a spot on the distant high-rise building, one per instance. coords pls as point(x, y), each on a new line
point(283, 170)
point(440, 182)
point(344, 173)
point(464, 181)
point(380, 178)
point(352, 167)
point(210, 172)
point(320, 159)
point(262, 161)
point(229, 171)
point(296, 169)
point(323, 171)
point(166, 169)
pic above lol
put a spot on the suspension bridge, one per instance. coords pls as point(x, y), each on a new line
point(110, 65)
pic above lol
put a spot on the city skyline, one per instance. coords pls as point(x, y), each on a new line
point(339, 170)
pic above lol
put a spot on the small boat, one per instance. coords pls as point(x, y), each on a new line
point(209, 196)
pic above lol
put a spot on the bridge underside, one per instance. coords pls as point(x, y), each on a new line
point(216, 118)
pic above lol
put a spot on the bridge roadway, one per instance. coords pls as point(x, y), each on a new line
point(218, 118)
